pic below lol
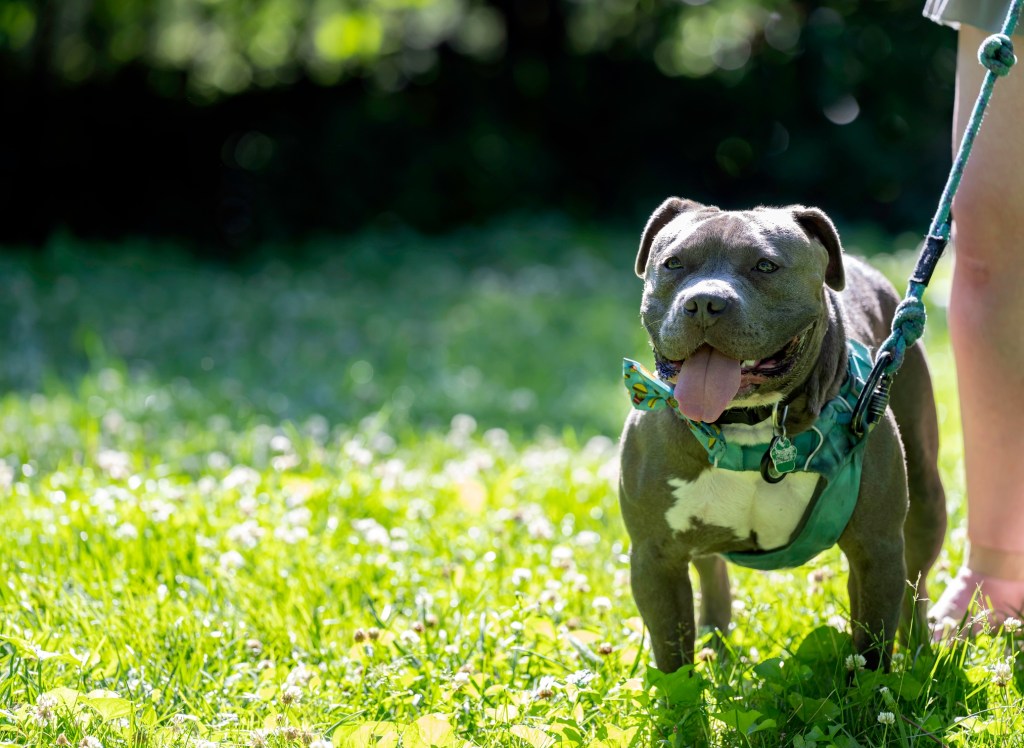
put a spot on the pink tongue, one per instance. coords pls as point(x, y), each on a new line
point(707, 383)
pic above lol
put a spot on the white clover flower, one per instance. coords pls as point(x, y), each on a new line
point(1011, 625)
point(545, 687)
point(372, 531)
point(6, 475)
point(230, 560)
point(246, 534)
point(300, 516)
point(299, 675)
point(886, 718)
point(290, 695)
point(158, 510)
point(1002, 672)
point(579, 582)
point(240, 477)
point(290, 535)
point(520, 575)
point(126, 531)
point(45, 710)
point(580, 678)
point(855, 662)
point(561, 556)
point(602, 603)
point(90, 742)
point(115, 464)
point(460, 679)
point(409, 637)
point(587, 539)
point(321, 743)
point(161, 592)
point(280, 443)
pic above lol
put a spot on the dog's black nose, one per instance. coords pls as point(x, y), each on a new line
point(705, 305)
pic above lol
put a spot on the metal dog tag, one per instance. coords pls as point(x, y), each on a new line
point(783, 454)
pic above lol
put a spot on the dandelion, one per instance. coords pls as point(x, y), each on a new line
point(855, 662)
point(1011, 625)
point(602, 603)
point(886, 718)
point(1002, 672)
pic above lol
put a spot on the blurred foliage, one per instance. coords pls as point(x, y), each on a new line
point(233, 122)
point(227, 46)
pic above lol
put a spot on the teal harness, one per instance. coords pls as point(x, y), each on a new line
point(829, 448)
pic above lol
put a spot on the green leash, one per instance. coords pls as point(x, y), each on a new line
point(996, 54)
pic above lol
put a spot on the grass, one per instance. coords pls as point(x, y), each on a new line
point(368, 498)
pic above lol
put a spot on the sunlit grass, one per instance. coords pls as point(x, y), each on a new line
point(244, 508)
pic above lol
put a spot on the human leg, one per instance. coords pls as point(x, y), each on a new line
point(986, 322)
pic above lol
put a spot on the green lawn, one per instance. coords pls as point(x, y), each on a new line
point(367, 497)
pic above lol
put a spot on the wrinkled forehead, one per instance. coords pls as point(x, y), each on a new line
point(757, 227)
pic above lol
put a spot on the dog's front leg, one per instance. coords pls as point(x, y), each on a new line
point(662, 590)
point(877, 580)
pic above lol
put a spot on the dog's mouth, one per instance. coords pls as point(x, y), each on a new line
point(708, 380)
point(778, 364)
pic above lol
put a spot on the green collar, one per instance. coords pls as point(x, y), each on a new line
point(829, 448)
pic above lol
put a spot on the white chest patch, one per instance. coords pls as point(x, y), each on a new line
point(743, 502)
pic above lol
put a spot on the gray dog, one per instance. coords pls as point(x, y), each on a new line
point(762, 330)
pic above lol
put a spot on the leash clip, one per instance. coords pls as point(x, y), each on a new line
point(874, 398)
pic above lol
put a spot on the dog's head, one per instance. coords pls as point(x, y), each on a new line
point(736, 301)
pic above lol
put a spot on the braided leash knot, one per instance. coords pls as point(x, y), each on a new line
point(996, 54)
point(907, 328)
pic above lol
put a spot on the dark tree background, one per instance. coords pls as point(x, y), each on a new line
point(232, 123)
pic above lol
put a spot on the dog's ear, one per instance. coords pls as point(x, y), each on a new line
point(818, 226)
point(668, 210)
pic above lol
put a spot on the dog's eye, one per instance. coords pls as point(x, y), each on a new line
point(673, 263)
point(766, 266)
